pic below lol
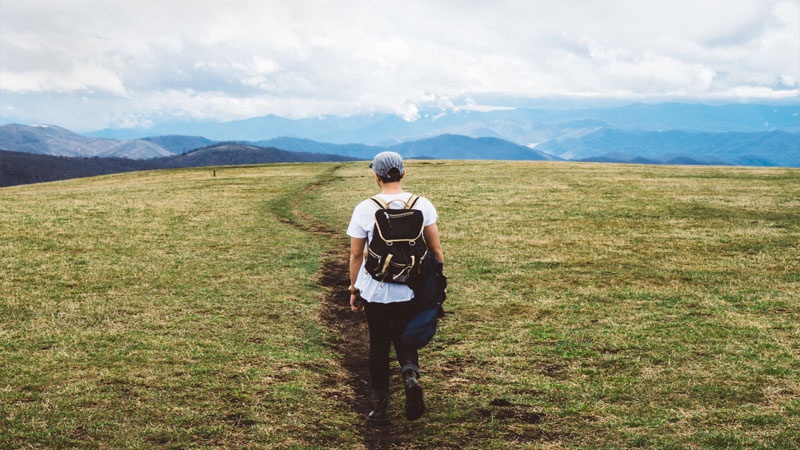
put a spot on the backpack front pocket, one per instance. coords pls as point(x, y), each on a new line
point(374, 261)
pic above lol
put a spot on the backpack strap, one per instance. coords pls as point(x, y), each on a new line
point(379, 203)
point(408, 204)
point(411, 201)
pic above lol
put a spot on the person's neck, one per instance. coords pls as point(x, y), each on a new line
point(391, 188)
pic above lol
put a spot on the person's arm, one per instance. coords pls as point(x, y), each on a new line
point(431, 233)
point(356, 259)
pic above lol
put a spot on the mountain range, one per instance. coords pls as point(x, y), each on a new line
point(770, 148)
point(670, 133)
point(521, 126)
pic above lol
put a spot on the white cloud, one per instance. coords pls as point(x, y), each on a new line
point(410, 112)
point(239, 58)
point(87, 78)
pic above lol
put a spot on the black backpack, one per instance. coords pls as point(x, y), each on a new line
point(398, 246)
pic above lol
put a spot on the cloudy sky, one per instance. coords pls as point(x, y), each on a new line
point(92, 64)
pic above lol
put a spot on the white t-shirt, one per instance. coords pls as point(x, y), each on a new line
point(361, 226)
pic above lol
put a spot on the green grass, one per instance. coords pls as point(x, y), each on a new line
point(590, 306)
point(164, 309)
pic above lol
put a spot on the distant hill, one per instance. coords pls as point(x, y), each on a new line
point(137, 149)
point(179, 144)
point(462, 147)
point(51, 140)
point(25, 168)
point(774, 148)
point(359, 151)
point(57, 141)
point(227, 154)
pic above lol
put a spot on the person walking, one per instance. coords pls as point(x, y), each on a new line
point(388, 305)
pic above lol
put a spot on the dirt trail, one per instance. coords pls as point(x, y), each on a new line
point(350, 329)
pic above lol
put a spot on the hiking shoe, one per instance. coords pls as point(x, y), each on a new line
point(380, 414)
point(415, 406)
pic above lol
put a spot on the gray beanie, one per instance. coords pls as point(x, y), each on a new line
point(384, 162)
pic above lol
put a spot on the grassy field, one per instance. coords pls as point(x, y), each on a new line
point(590, 306)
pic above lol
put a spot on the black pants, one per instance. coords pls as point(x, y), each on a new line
point(386, 324)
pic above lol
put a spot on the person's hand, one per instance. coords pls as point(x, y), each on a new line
point(356, 305)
